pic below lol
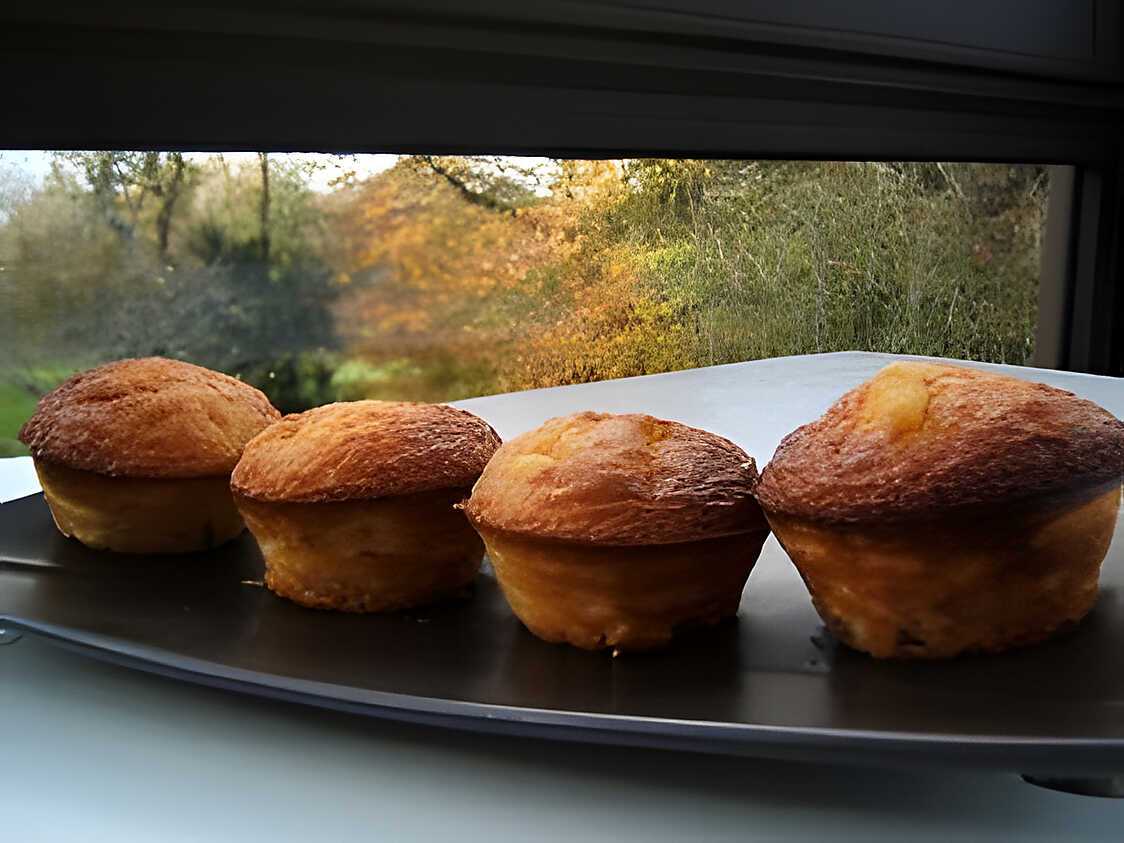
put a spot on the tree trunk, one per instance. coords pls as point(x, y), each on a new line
point(263, 157)
point(171, 193)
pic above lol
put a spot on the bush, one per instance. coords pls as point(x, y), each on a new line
point(703, 263)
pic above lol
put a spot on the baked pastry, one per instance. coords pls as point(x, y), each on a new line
point(135, 456)
point(617, 530)
point(354, 504)
point(936, 509)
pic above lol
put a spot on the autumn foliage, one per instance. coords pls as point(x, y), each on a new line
point(445, 277)
point(630, 268)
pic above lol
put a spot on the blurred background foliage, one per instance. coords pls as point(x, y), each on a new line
point(445, 277)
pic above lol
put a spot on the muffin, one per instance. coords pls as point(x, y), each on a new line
point(354, 504)
point(617, 530)
point(936, 510)
point(135, 456)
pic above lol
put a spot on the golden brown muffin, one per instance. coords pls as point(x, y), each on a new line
point(936, 509)
point(354, 504)
point(616, 530)
point(135, 456)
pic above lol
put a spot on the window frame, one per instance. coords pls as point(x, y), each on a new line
point(710, 79)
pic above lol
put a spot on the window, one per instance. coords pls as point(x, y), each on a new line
point(322, 277)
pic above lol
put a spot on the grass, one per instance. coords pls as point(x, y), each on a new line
point(16, 405)
point(19, 393)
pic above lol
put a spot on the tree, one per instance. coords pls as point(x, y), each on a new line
point(64, 272)
point(429, 253)
point(16, 188)
point(125, 183)
point(490, 181)
point(263, 237)
point(707, 262)
point(450, 276)
point(253, 295)
point(167, 191)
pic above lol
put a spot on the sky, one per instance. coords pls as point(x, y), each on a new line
point(37, 164)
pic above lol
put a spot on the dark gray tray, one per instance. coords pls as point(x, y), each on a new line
point(770, 684)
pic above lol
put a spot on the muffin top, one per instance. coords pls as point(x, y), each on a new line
point(359, 450)
point(920, 439)
point(597, 478)
point(150, 417)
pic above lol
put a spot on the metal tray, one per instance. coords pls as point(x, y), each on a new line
point(773, 683)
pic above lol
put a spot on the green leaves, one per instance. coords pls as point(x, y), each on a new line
point(446, 276)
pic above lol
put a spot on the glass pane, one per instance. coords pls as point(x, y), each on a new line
point(320, 278)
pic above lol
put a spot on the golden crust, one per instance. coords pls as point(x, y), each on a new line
point(921, 439)
point(148, 417)
point(361, 450)
point(619, 480)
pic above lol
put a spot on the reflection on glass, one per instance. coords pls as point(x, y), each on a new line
point(321, 278)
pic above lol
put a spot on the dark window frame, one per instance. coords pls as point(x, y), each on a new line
point(715, 78)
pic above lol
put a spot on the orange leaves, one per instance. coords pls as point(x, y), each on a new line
point(422, 256)
point(534, 295)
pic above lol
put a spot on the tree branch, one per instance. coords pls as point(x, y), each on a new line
point(951, 181)
point(481, 199)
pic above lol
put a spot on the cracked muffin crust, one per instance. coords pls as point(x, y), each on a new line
point(617, 530)
point(135, 456)
point(600, 478)
point(354, 504)
point(148, 417)
point(922, 438)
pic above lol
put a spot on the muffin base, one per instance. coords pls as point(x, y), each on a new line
point(627, 598)
point(941, 588)
point(140, 515)
point(369, 555)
